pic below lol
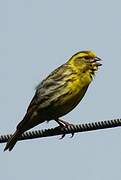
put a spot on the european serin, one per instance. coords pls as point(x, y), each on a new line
point(59, 93)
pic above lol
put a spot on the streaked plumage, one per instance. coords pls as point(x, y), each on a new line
point(59, 93)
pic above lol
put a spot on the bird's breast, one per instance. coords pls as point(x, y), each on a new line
point(68, 99)
point(64, 98)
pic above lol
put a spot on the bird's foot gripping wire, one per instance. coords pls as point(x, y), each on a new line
point(64, 124)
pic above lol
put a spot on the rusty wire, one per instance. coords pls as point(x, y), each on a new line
point(67, 130)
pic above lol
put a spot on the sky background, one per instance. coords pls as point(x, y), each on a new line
point(36, 37)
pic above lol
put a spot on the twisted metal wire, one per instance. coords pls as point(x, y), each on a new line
point(66, 130)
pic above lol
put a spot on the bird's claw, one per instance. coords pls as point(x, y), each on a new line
point(72, 135)
point(63, 135)
point(62, 125)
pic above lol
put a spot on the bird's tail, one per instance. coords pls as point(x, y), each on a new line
point(12, 141)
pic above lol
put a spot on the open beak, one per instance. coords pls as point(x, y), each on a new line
point(96, 60)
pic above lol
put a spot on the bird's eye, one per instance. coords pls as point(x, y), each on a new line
point(87, 57)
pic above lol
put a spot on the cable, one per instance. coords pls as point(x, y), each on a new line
point(66, 130)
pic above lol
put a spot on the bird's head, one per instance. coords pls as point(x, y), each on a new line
point(85, 61)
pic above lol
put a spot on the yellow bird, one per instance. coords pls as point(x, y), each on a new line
point(59, 93)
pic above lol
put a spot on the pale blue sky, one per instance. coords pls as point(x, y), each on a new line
point(36, 37)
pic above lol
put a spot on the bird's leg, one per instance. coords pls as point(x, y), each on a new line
point(64, 124)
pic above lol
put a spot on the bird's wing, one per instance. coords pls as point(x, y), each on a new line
point(50, 88)
point(47, 92)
